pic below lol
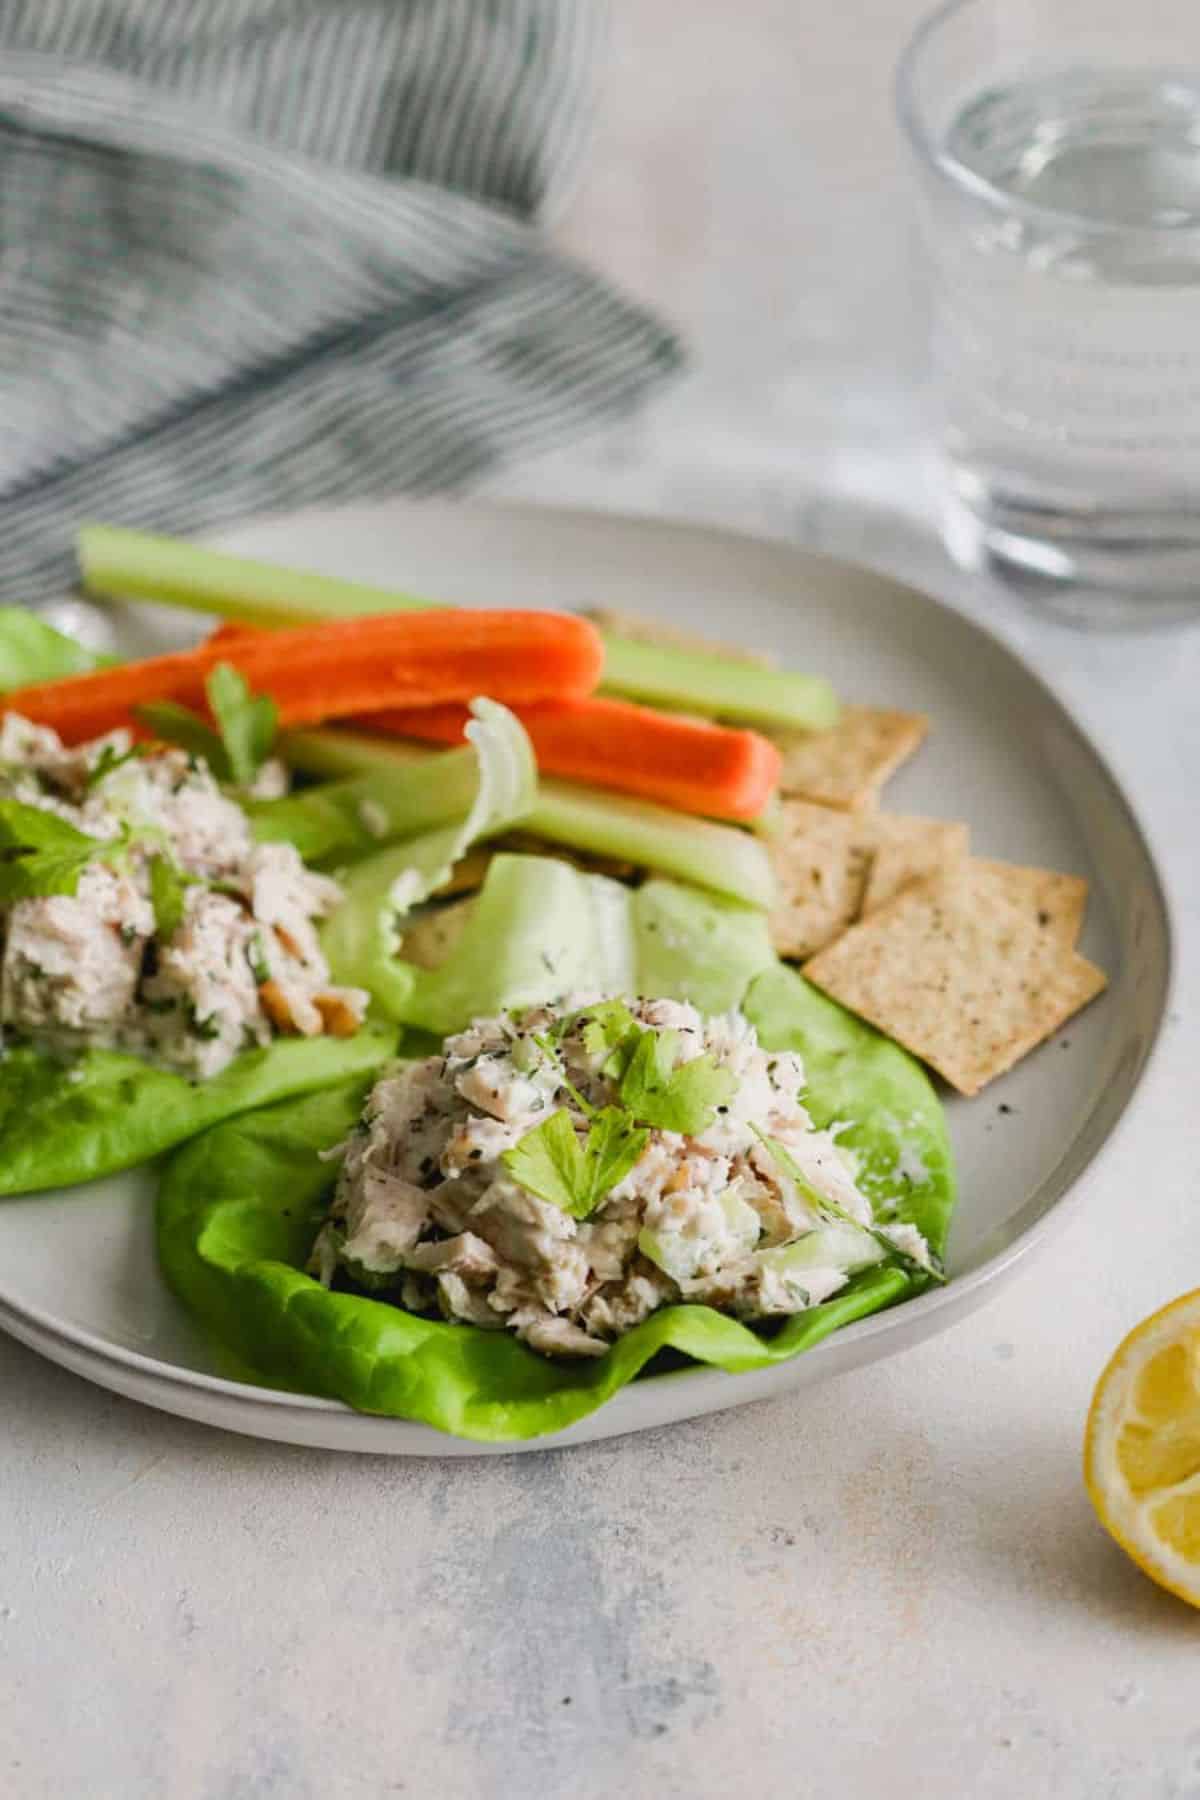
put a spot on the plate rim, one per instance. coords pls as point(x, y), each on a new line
point(925, 1308)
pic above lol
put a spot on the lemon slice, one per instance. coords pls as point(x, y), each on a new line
point(1141, 1458)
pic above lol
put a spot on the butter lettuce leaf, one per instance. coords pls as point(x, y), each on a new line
point(540, 931)
point(239, 1207)
point(32, 651)
point(237, 1212)
point(362, 939)
point(63, 1122)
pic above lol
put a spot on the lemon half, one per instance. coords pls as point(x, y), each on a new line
point(1141, 1457)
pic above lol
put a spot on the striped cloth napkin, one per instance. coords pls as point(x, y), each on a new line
point(255, 253)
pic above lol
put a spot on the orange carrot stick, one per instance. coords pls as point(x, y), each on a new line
point(342, 668)
point(681, 762)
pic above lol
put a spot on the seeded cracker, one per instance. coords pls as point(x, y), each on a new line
point(1055, 902)
point(670, 637)
point(967, 980)
point(846, 766)
point(908, 849)
point(820, 869)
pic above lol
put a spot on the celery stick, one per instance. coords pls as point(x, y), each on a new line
point(694, 681)
point(332, 753)
point(342, 819)
point(712, 856)
point(138, 565)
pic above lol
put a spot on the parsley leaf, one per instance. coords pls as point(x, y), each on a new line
point(108, 760)
point(683, 1098)
point(245, 733)
point(40, 853)
point(612, 1032)
point(168, 885)
point(177, 724)
point(551, 1162)
point(825, 1208)
point(246, 721)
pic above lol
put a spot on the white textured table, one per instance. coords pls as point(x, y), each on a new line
point(889, 1585)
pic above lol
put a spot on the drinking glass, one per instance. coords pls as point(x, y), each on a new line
point(1057, 145)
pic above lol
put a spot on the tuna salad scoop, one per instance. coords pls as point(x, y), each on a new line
point(178, 937)
point(564, 1171)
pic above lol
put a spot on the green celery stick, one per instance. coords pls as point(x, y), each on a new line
point(331, 752)
point(696, 681)
point(713, 856)
point(137, 565)
point(721, 857)
point(355, 816)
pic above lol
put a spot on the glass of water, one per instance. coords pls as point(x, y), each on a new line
point(1058, 149)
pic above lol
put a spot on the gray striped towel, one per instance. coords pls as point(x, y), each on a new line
point(256, 253)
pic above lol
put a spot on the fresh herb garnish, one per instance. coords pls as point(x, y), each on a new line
point(247, 722)
point(41, 854)
point(552, 1162)
point(207, 1029)
point(651, 1083)
point(168, 886)
point(653, 1090)
point(610, 1032)
point(256, 956)
point(109, 760)
point(825, 1208)
point(246, 725)
point(177, 724)
point(673, 1096)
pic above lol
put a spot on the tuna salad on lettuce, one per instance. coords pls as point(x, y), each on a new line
point(138, 913)
point(564, 1172)
point(513, 1220)
point(163, 953)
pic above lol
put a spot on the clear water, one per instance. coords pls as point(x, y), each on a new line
point(1068, 322)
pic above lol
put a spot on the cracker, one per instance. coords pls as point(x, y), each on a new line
point(1056, 902)
point(847, 765)
point(820, 870)
point(908, 849)
point(963, 977)
point(640, 630)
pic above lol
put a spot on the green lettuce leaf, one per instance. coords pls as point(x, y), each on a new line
point(240, 1206)
point(32, 651)
point(541, 930)
point(362, 939)
point(238, 1209)
point(62, 1123)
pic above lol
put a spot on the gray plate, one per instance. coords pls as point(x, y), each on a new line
point(79, 1279)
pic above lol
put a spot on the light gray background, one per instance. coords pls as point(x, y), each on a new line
point(893, 1584)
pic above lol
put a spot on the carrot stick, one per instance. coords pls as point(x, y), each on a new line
point(342, 668)
point(682, 762)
